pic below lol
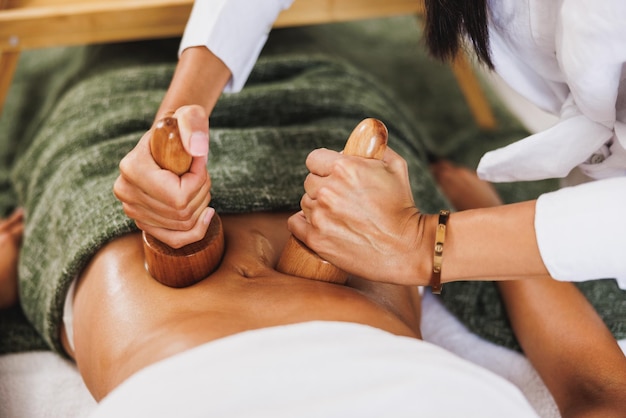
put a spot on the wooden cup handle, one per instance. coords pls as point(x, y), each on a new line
point(368, 140)
point(180, 267)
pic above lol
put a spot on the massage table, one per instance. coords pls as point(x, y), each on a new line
point(40, 383)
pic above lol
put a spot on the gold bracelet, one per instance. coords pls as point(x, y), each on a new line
point(440, 238)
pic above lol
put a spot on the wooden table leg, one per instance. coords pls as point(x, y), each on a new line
point(8, 64)
point(474, 95)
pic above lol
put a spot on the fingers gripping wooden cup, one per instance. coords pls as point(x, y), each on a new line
point(180, 267)
point(368, 140)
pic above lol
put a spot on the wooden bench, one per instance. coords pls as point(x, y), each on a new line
point(30, 24)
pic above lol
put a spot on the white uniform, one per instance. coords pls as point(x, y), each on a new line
point(234, 30)
point(568, 57)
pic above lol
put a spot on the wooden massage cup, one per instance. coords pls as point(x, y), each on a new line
point(368, 140)
point(180, 267)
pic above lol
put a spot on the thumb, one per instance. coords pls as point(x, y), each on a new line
point(394, 161)
point(297, 225)
point(193, 124)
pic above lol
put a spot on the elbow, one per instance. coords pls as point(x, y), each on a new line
point(599, 401)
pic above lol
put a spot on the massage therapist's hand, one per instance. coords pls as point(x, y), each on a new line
point(359, 215)
point(172, 209)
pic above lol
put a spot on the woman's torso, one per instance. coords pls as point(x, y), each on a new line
point(125, 320)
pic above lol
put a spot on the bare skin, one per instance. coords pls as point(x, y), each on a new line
point(244, 293)
point(350, 203)
point(11, 230)
point(561, 334)
point(175, 210)
point(125, 321)
point(198, 82)
point(139, 321)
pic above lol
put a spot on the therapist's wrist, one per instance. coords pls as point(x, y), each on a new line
point(199, 79)
point(422, 259)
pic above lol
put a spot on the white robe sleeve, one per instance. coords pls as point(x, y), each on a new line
point(568, 57)
point(581, 231)
point(234, 30)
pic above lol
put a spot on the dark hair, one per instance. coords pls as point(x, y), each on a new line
point(449, 21)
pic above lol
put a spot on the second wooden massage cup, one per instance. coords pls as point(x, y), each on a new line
point(368, 140)
point(180, 267)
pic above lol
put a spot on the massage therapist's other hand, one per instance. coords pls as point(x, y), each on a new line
point(172, 209)
point(359, 214)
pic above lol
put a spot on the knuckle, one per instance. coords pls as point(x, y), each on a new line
point(197, 235)
point(403, 164)
point(126, 165)
point(325, 197)
point(191, 113)
point(339, 167)
point(120, 189)
point(186, 224)
point(185, 215)
point(196, 111)
point(177, 202)
point(304, 202)
point(130, 211)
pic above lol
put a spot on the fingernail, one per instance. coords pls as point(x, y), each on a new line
point(199, 144)
point(208, 215)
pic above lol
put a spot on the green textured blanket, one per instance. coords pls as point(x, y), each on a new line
point(73, 113)
point(259, 141)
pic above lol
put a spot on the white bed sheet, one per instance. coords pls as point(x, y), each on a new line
point(41, 384)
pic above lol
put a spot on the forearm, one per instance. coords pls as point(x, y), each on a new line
point(559, 331)
point(495, 243)
point(569, 345)
point(199, 79)
point(235, 30)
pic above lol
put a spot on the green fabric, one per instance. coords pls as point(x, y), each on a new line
point(259, 141)
point(42, 79)
point(17, 334)
point(478, 306)
point(392, 51)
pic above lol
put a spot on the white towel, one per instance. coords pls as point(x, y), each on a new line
point(41, 384)
point(315, 369)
